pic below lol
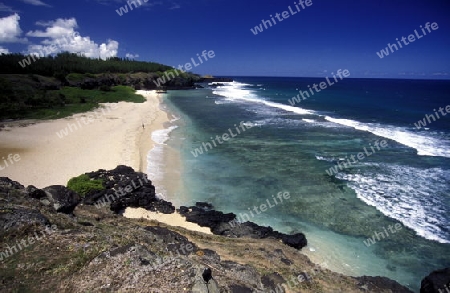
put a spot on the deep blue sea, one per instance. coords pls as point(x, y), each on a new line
point(289, 148)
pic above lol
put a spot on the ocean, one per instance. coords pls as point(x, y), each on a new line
point(369, 185)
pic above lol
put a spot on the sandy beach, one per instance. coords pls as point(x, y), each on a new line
point(116, 134)
point(174, 219)
point(100, 139)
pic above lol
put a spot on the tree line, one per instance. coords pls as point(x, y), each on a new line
point(65, 63)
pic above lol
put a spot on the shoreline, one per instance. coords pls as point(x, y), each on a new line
point(114, 138)
point(122, 136)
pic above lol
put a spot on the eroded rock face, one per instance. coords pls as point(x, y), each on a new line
point(225, 224)
point(436, 282)
point(17, 218)
point(61, 198)
point(7, 184)
point(126, 188)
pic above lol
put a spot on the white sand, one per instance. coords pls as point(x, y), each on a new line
point(113, 137)
point(174, 219)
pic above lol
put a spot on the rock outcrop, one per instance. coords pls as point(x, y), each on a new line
point(93, 249)
point(436, 282)
point(126, 188)
point(204, 215)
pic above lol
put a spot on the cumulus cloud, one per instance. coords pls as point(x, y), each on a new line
point(131, 56)
point(10, 31)
point(3, 50)
point(60, 35)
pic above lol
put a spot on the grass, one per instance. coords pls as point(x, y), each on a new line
point(79, 101)
point(83, 184)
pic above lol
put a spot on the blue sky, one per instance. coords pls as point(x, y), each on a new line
point(318, 40)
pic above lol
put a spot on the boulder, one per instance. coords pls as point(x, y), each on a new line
point(62, 199)
point(34, 192)
point(436, 282)
point(124, 188)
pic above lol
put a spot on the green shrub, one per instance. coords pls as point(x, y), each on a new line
point(83, 184)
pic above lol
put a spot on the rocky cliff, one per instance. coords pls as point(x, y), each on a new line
point(54, 240)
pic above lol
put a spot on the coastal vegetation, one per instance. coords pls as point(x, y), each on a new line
point(59, 86)
point(83, 184)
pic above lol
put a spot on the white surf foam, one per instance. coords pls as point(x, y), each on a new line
point(235, 91)
point(410, 195)
point(426, 145)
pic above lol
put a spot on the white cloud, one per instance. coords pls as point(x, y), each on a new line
point(131, 56)
point(35, 2)
point(55, 29)
point(5, 8)
point(3, 50)
point(10, 29)
point(60, 36)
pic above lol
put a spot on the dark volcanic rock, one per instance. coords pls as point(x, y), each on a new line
point(34, 192)
point(126, 188)
point(272, 281)
point(17, 218)
point(174, 242)
point(437, 280)
point(226, 225)
point(62, 199)
point(7, 184)
point(202, 214)
point(373, 283)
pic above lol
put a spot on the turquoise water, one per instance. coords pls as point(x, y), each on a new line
point(290, 148)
